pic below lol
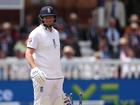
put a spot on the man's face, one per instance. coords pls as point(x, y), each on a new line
point(48, 20)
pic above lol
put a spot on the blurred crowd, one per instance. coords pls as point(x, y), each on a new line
point(108, 33)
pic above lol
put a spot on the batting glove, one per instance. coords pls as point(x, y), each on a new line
point(38, 75)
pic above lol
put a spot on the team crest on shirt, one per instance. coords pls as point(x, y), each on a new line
point(29, 40)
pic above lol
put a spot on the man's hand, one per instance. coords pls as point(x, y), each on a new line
point(67, 99)
point(38, 75)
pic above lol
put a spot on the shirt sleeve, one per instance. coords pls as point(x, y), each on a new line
point(32, 41)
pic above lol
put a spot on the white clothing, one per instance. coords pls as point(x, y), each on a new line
point(47, 57)
point(116, 35)
point(119, 11)
point(49, 93)
point(47, 51)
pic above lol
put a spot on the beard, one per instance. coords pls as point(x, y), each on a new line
point(48, 26)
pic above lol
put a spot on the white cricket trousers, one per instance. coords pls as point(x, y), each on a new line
point(51, 93)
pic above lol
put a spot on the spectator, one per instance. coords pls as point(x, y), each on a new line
point(115, 9)
point(2, 54)
point(93, 35)
point(134, 18)
point(72, 26)
point(20, 47)
point(103, 49)
point(70, 69)
point(8, 38)
point(62, 32)
point(10, 31)
point(129, 70)
point(6, 45)
point(29, 24)
point(72, 41)
point(124, 44)
point(113, 37)
point(132, 32)
point(98, 14)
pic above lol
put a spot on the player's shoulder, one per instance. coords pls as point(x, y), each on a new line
point(55, 30)
point(35, 31)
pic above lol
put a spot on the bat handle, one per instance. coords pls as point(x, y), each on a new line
point(80, 98)
point(71, 98)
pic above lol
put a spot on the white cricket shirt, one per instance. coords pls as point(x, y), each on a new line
point(47, 50)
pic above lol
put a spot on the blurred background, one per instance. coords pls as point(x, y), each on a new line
point(100, 50)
